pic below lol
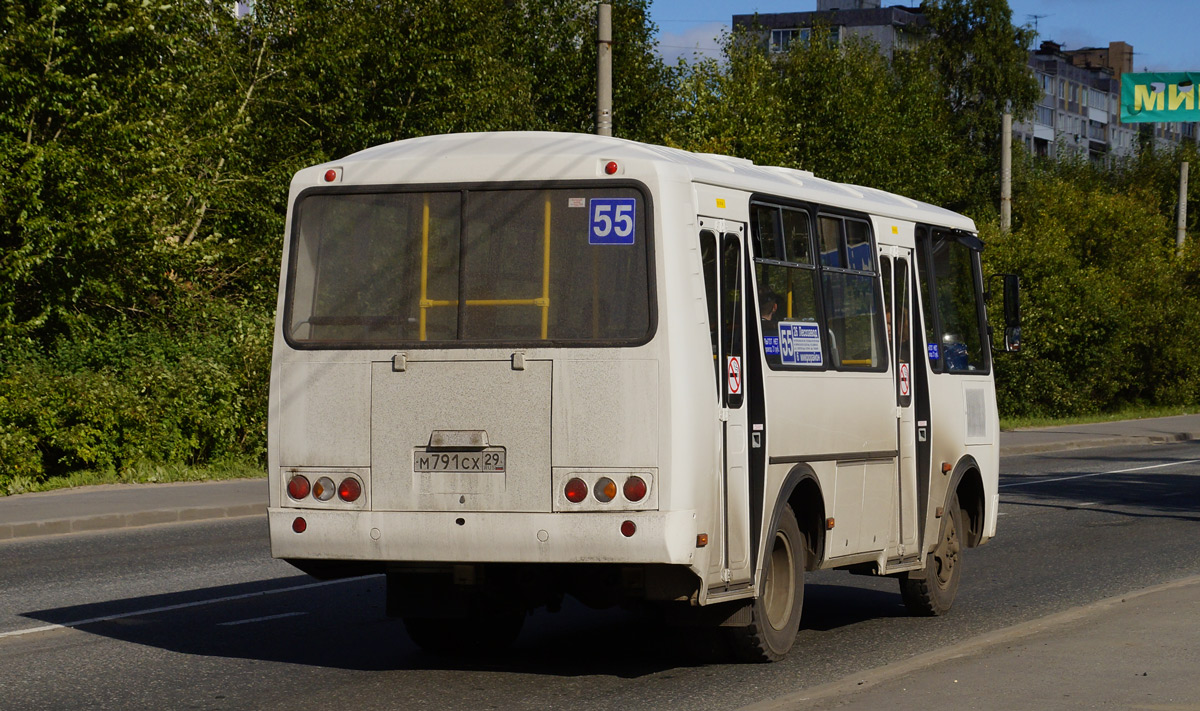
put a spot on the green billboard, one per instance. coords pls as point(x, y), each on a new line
point(1159, 96)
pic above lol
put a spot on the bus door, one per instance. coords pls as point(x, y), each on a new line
point(722, 252)
point(896, 270)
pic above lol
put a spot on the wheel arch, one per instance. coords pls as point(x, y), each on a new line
point(967, 485)
point(802, 491)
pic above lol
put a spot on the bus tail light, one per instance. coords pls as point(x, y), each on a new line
point(628, 528)
point(298, 487)
point(299, 525)
point(635, 488)
point(324, 489)
point(349, 490)
point(606, 490)
point(576, 490)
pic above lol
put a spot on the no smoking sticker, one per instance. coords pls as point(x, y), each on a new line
point(734, 370)
point(905, 387)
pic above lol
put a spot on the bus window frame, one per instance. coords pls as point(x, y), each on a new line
point(464, 189)
point(814, 211)
point(809, 210)
point(878, 322)
point(923, 258)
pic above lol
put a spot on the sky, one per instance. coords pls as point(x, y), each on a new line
point(1165, 34)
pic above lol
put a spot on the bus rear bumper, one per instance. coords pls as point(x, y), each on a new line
point(484, 537)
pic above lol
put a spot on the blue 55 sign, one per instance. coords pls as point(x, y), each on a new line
point(612, 220)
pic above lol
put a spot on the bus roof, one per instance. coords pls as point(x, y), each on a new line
point(523, 155)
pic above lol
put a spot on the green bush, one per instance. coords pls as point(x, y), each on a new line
point(1107, 305)
point(125, 398)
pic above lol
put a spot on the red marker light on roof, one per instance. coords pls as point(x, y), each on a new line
point(330, 175)
point(610, 168)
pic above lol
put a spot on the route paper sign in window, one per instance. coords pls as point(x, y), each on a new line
point(800, 344)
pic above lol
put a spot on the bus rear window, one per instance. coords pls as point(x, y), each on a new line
point(540, 266)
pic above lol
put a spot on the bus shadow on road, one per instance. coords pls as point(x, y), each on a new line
point(343, 626)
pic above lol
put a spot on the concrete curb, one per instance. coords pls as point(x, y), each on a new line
point(1091, 442)
point(104, 522)
point(966, 648)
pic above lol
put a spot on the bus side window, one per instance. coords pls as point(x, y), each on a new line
point(732, 310)
point(950, 297)
point(885, 273)
point(932, 343)
point(854, 318)
point(787, 283)
point(904, 328)
point(708, 259)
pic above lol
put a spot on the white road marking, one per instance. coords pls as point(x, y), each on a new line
point(261, 619)
point(1087, 476)
point(169, 608)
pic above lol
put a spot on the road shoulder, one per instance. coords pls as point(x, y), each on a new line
point(1135, 650)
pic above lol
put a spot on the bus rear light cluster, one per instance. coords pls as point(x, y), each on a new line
point(576, 490)
point(298, 487)
point(349, 490)
point(604, 489)
point(635, 488)
point(324, 489)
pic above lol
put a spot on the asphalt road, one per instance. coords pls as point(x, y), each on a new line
point(197, 616)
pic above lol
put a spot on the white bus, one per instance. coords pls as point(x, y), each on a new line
point(514, 366)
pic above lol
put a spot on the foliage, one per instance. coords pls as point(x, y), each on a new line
point(1107, 307)
point(981, 62)
point(147, 150)
point(842, 111)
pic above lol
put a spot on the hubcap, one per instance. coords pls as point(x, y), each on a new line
point(945, 558)
point(780, 588)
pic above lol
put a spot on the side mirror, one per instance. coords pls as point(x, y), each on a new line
point(1012, 312)
point(1012, 301)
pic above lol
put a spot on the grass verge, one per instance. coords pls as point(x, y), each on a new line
point(138, 474)
point(1130, 413)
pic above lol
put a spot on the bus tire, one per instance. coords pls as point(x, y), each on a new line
point(476, 634)
point(930, 592)
point(775, 615)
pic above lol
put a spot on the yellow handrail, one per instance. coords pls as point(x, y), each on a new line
point(424, 262)
point(546, 274)
point(429, 303)
point(543, 302)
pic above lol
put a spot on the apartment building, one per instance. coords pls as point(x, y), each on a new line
point(891, 28)
point(1079, 112)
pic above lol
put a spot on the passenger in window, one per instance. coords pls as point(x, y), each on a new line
point(768, 306)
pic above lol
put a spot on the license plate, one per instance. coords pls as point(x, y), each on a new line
point(489, 460)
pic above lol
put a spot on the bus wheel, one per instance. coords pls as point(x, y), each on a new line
point(931, 591)
point(480, 633)
point(775, 616)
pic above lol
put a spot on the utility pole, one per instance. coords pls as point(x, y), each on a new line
point(1006, 172)
point(604, 70)
point(1181, 225)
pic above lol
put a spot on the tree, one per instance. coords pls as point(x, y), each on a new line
point(841, 110)
point(982, 62)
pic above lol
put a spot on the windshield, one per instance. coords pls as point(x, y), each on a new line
point(537, 266)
